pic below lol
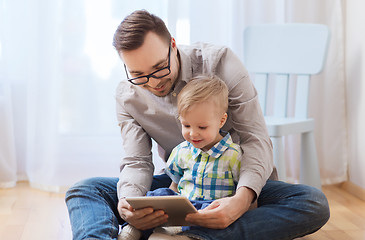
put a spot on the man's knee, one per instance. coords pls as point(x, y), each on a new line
point(320, 204)
point(90, 186)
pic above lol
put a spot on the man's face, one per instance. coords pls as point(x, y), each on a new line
point(150, 57)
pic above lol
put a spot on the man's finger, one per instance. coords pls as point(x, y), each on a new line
point(154, 222)
point(211, 206)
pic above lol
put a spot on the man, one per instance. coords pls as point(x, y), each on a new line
point(157, 70)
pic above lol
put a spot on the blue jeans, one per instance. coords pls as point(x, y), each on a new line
point(285, 211)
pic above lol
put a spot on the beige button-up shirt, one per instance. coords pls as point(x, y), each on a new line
point(142, 116)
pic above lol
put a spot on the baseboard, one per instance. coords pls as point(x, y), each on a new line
point(354, 189)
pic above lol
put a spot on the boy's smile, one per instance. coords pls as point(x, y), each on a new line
point(201, 124)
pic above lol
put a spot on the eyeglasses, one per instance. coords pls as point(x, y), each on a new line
point(160, 73)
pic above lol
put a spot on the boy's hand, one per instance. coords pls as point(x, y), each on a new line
point(223, 212)
point(141, 219)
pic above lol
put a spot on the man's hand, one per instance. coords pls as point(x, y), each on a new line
point(223, 212)
point(141, 219)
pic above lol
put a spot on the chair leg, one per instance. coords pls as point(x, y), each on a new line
point(309, 168)
point(279, 158)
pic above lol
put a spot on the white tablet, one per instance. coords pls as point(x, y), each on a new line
point(176, 207)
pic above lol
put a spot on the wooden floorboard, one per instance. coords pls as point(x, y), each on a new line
point(31, 214)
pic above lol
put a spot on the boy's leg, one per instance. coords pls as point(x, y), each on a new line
point(92, 206)
point(285, 211)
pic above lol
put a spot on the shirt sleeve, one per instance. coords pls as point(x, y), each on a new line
point(248, 124)
point(137, 162)
point(173, 168)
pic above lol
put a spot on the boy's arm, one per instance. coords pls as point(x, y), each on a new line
point(173, 168)
point(173, 187)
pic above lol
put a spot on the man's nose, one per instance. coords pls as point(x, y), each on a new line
point(153, 82)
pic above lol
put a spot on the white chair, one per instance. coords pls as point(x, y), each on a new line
point(275, 55)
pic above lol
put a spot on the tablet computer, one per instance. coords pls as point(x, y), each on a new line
point(176, 207)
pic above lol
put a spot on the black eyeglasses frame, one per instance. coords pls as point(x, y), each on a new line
point(151, 75)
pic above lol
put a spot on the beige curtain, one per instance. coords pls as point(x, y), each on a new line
point(355, 87)
point(56, 98)
point(7, 142)
point(328, 90)
point(222, 22)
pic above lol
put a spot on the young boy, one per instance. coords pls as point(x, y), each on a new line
point(206, 166)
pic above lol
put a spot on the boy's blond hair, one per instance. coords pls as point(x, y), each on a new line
point(200, 89)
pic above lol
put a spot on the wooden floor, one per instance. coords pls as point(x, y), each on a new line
point(30, 214)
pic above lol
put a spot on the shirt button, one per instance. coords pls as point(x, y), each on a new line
point(174, 94)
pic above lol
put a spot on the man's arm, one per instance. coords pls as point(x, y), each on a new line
point(248, 124)
point(223, 212)
point(136, 168)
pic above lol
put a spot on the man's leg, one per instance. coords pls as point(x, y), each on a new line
point(285, 211)
point(92, 206)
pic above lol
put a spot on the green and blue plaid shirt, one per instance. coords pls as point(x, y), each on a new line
point(205, 175)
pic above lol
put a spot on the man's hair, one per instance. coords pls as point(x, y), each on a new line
point(131, 32)
point(200, 89)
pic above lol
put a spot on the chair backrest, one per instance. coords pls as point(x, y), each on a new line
point(289, 51)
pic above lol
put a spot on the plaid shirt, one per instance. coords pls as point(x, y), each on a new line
point(205, 175)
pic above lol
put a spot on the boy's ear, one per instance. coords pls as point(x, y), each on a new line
point(223, 120)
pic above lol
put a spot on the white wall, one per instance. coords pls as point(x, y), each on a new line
point(355, 77)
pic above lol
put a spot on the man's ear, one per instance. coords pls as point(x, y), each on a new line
point(173, 42)
point(223, 120)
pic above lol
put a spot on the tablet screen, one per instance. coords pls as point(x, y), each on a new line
point(176, 207)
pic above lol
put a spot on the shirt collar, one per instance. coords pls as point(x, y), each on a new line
point(186, 69)
point(216, 151)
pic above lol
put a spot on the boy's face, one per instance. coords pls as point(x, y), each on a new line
point(150, 57)
point(201, 125)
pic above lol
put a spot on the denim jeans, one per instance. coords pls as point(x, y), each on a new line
point(285, 211)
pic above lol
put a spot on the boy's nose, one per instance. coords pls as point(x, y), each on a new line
point(193, 133)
